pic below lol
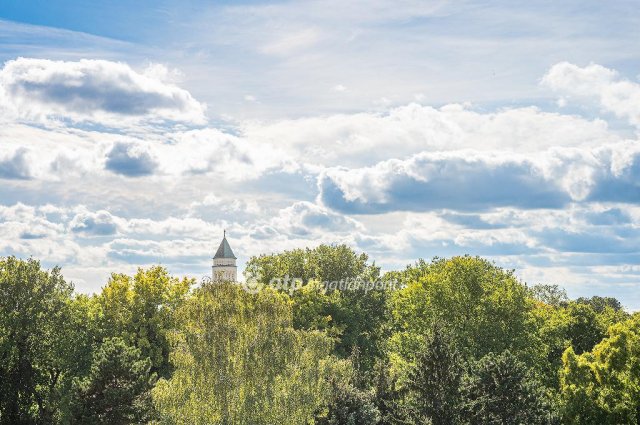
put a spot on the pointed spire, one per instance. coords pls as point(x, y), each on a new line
point(224, 250)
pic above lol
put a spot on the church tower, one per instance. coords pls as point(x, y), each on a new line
point(224, 263)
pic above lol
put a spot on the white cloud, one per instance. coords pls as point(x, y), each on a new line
point(94, 90)
point(470, 180)
point(306, 220)
point(99, 223)
point(596, 82)
point(129, 159)
point(27, 231)
point(71, 152)
point(221, 154)
point(365, 138)
point(15, 165)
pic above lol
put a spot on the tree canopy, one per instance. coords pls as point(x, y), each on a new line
point(446, 341)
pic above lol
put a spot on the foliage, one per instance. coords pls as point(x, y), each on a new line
point(576, 324)
point(117, 388)
point(460, 340)
point(486, 309)
point(501, 390)
point(349, 404)
point(239, 361)
point(38, 341)
point(603, 386)
point(355, 317)
point(583, 329)
point(140, 309)
point(434, 381)
point(388, 398)
point(600, 304)
point(325, 263)
point(549, 294)
point(552, 324)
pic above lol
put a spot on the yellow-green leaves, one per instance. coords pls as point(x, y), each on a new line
point(141, 309)
point(238, 360)
point(603, 386)
point(485, 307)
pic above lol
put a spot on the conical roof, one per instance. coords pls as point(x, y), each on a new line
point(224, 250)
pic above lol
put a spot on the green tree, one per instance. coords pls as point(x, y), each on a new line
point(355, 315)
point(583, 329)
point(325, 263)
point(600, 304)
point(388, 397)
point(349, 405)
point(552, 324)
point(603, 386)
point(117, 388)
point(238, 360)
point(500, 390)
point(141, 309)
point(40, 349)
point(549, 294)
point(485, 308)
point(434, 381)
point(576, 323)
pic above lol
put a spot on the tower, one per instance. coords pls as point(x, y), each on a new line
point(224, 263)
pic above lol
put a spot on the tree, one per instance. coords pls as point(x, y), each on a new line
point(238, 360)
point(334, 296)
point(500, 390)
point(325, 263)
point(552, 325)
point(575, 323)
point(599, 304)
point(583, 329)
point(349, 405)
point(549, 294)
point(388, 397)
point(434, 381)
point(603, 386)
point(486, 310)
point(141, 309)
point(39, 349)
point(117, 388)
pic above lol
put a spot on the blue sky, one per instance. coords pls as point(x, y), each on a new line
point(133, 133)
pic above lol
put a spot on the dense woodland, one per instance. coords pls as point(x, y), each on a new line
point(456, 341)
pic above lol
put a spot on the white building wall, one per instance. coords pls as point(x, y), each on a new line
point(224, 269)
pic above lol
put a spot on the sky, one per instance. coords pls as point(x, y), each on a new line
point(133, 133)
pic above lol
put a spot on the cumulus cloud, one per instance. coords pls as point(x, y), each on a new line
point(20, 221)
point(94, 90)
point(177, 252)
point(468, 181)
point(605, 241)
point(366, 138)
point(99, 223)
point(223, 155)
point(310, 144)
point(70, 152)
point(431, 181)
point(131, 160)
point(306, 219)
point(15, 166)
point(598, 83)
point(28, 231)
